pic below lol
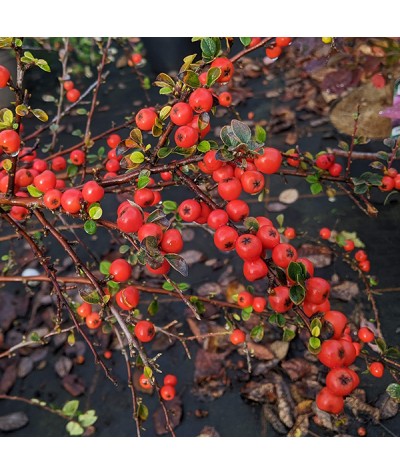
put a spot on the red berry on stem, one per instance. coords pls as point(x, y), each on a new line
point(377, 369)
point(269, 162)
point(120, 270)
point(145, 119)
point(226, 67)
point(237, 337)
point(144, 331)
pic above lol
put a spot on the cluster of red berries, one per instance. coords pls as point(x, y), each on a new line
point(360, 256)
point(72, 93)
point(391, 180)
point(326, 162)
point(337, 353)
point(167, 391)
point(92, 319)
point(274, 50)
point(186, 115)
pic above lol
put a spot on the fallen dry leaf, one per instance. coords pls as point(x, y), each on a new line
point(13, 421)
point(73, 384)
point(300, 428)
point(209, 431)
point(299, 368)
point(270, 416)
point(345, 291)
point(259, 391)
point(320, 256)
point(174, 410)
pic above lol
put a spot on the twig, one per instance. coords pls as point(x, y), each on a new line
point(242, 53)
point(57, 412)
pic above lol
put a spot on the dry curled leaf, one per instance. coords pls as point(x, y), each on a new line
point(345, 291)
point(320, 256)
point(271, 417)
point(174, 410)
point(259, 391)
point(299, 368)
point(285, 401)
point(300, 428)
point(73, 384)
point(359, 407)
point(388, 407)
point(259, 351)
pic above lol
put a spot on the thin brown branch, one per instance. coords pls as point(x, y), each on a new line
point(31, 402)
point(242, 53)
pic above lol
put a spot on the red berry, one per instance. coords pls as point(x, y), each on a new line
point(58, 164)
point(392, 172)
point(283, 41)
point(255, 269)
point(226, 67)
point(333, 354)
point(268, 236)
point(325, 233)
point(172, 241)
point(349, 245)
point(73, 95)
point(365, 266)
point(269, 162)
point(290, 233)
point(23, 177)
point(185, 136)
point(225, 99)
point(335, 169)
point(84, 309)
point(136, 58)
point(9, 141)
point(130, 219)
point(237, 210)
point(342, 381)
point(127, 298)
point(145, 119)
point(71, 200)
point(224, 172)
point(259, 304)
point(150, 229)
point(189, 210)
point(166, 176)
point(93, 321)
point(279, 299)
point(39, 165)
point(163, 269)
point(248, 247)
point(144, 331)
point(52, 199)
point(201, 100)
point(170, 380)
point(229, 189)
point(92, 192)
point(237, 337)
point(77, 157)
point(338, 320)
point(120, 270)
point(283, 255)
point(360, 256)
point(376, 369)
point(254, 41)
point(4, 76)
point(325, 161)
point(181, 113)
point(273, 51)
point(225, 238)
point(366, 335)
point(310, 308)
point(317, 290)
point(218, 218)
point(328, 402)
point(252, 182)
point(113, 140)
point(211, 162)
point(167, 392)
point(143, 197)
point(387, 184)
point(144, 382)
point(68, 85)
point(245, 299)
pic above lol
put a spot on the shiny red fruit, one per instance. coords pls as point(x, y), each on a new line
point(145, 119)
point(268, 236)
point(255, 269)
point(167, 392)
point(217, 218)
point(84, 309)
point(10, 141)
point(201, 100)
point(92, 192)
point(120, 270)
point(77, 157)
point(269, 162)
point(181, 113)
point(150, 229)
point(170, 380)
point(248, 247)
point(283, 255)
point(185, 136)
point(366, 335)
point(245, 299)
point(279, 299)
point(225, 99)
point(4, 76)
point(229, 189)
point(338, 320)
point(237, 210)
point(226, 67)
point(52, 199)
point(71, 200)
point(127, 298)
point(144, 331)
point(73, 95)
point(259, 304)
point(252, 182)
point(317, 290)
point(113, 140)
point(172, 241)
point(93, 321)
point(237, 337)
point(325, 233)
point(189, 210)
point(225, 238)
point(328, 402)
point(377, 369)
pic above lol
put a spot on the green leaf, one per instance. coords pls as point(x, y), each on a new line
point(164, 112)
point(314, 342)
point(297, 272)
point(288, 334)
point(210, 48)
point(74, 428)
point(178, 263)
point(183, 286)
point(153, 307)
point(22, 110)
point(70, 408)
point(212, 76)
point(40, 114)
point(241, 131)
point(280, 219)
point(95, 211)
point(316, 188)
point(148, 372)
point(170, 206)
point(143, 412)
point(72, 170)
point(164, 152)
point(164, 78)
point(34, 336)
point(43, 65)
point(204, 146)
point(312, 179)
point(91, 297)
point(33, 191)
point(165, 90)
point(381, 345)
point(251, 224)
point(167, 286)
point(71, 339)
point(28, 55)
point(143, 181)
point(394, 391)
point(297, 294)
point(260, 134)
point(191, 79)
point(343, 145)
point(88, 418)
point(246, 313)
point(257, 333)
point(245, 41)
point(105, 267)
point(136, 157)
point(90, 227)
